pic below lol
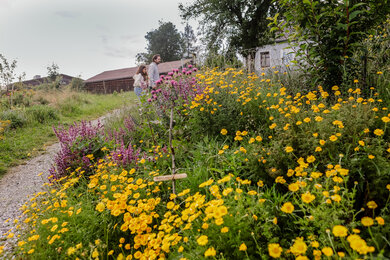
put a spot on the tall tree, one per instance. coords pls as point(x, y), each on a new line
point(189, 41)
point(241, 24)
point(165, 40)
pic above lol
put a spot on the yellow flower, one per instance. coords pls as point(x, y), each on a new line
point(340, 231)
point(95, 253)
point(224, 230)
point(372, 205)
point(202, 240)
point(142, 161)
point(307, 197)
point(275, 220)
point(299, 247)
point(287, 207)
point(243, 247)
point(310, 159)
point(380, 220)
point(259, 138)
point(386, 119)
point(289, 149)
point(170, 205)
point(274, 250)
point(327, 251)
point(293, 187)
point(210, 252)
point(318, 149)
point(355, 81)
point(224, 131)
point(333, 138)
point(370, 156)
point(367, 221)
point(378, 132)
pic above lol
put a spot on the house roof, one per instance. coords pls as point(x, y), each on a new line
point(41, 80)
point(163, 68)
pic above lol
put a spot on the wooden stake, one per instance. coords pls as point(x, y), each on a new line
point(170, 177)
point(172, 152)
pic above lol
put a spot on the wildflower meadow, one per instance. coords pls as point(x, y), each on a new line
point(268, 170)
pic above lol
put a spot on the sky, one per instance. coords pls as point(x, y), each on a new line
point(83, 37)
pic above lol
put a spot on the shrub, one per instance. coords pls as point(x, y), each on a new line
point(80, 145)
point(17, 117)
point(42, 113)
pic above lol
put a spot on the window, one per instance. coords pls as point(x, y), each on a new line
point(264, 59)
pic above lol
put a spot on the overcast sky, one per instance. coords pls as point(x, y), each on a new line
point(83, 37)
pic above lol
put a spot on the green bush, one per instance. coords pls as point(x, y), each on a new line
point(42, 113)
point(69, 108)
point(17, 117)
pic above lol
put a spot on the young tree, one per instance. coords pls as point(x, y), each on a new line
point(165, 40)
point(53, 71)
point(189, 41)
point(7, 72)
point(241, 24)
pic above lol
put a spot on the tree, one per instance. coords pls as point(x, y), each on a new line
point(329, 33)
point(53, 71)
point(7, 72)
point(165, 40)
point(241, 24)
point(189, 41)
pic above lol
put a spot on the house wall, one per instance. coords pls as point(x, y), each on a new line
point(109, 86)
point(280, 55)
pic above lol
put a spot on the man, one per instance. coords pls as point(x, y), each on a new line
point(153, 73)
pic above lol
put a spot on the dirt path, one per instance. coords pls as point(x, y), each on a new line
point(23, 181)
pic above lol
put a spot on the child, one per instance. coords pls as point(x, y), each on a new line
point(140, 81)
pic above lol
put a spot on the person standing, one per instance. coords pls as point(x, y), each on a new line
point(140, 80)
point(154, 75)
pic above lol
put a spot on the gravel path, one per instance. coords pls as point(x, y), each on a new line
point(23, 181)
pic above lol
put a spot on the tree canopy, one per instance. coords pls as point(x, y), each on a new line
point(240, 24)
point(166, 40)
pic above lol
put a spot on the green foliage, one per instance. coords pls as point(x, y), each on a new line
point(189, 41)
point(53, 71)
point(42, 114)
point(7, 72)
point(242, 24)
point(77, 84)
point(165, 40)
point(328, 33)
point(17, 117)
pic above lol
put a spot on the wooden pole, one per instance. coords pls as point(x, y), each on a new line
point(172, 152)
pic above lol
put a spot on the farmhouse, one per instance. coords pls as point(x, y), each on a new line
point(122, 79)
point(277, 55)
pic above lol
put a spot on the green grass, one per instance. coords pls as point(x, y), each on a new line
point(23, 143)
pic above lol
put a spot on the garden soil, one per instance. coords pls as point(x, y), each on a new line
point(22, 182)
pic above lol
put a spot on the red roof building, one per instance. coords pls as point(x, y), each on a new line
point(122, 79)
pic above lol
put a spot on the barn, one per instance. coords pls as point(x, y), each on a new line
point(122, 79)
